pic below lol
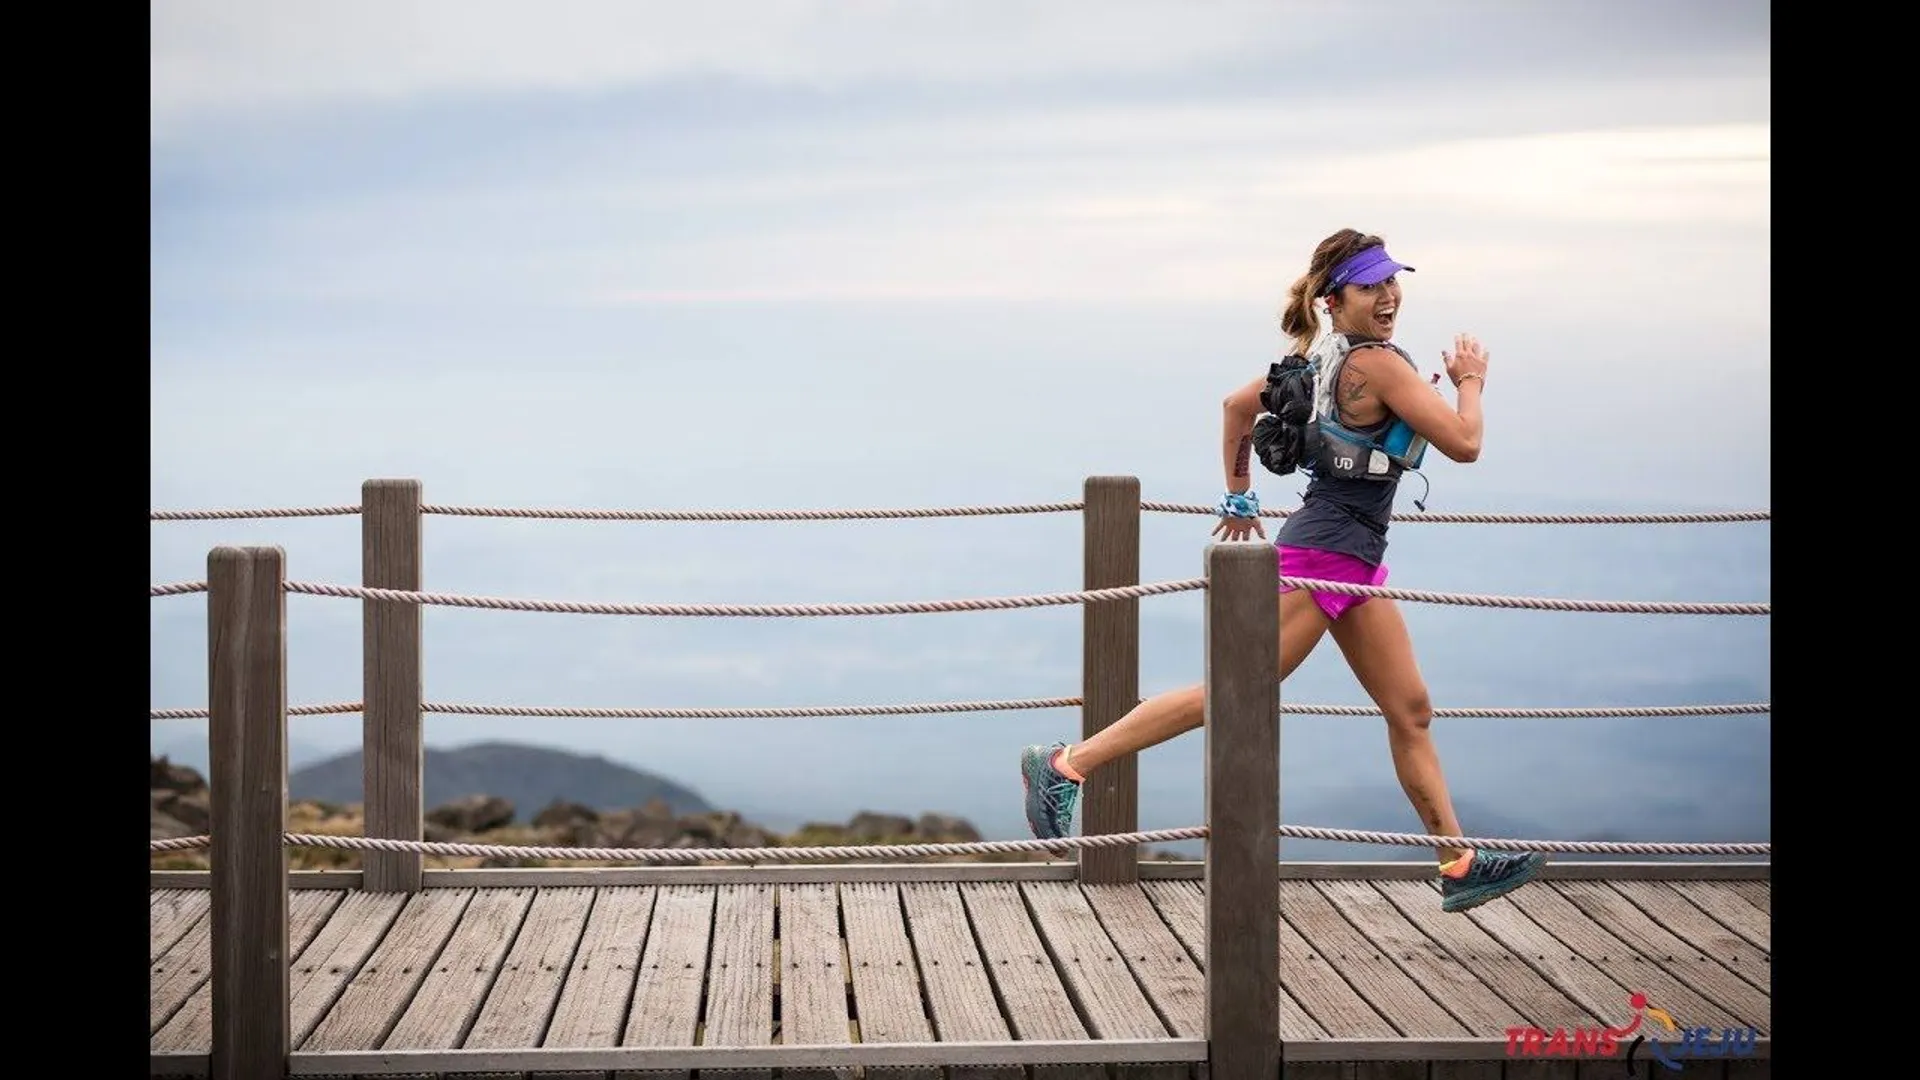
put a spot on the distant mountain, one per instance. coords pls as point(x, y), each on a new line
point(530, 777)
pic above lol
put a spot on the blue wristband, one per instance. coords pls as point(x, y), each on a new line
point(1239, 504)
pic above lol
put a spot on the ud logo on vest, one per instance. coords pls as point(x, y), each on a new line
point(1664, 1042)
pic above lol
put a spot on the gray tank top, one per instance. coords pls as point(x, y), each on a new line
point(1347, 516)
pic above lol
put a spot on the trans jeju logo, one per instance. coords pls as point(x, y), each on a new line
point(1664, 1040)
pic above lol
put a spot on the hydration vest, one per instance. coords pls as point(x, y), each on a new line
point(1302, 429)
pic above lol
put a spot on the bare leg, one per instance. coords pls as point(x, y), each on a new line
point(1374, 638)
point(1176, 712)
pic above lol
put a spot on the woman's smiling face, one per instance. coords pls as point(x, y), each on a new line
point(1368, 309)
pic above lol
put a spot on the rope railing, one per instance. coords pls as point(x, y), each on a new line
point(1068, 506)
point(921, 708)
point(975, 847)
point(252, 816)
point(920, 607)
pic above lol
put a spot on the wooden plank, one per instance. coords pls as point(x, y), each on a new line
point(179, 971)
point(1686, 962)
point(740, 973)
point(1632, 968)
point(813, 971)
point(1391, 991)
point(1598, 969)
point(1603, 998)
point(1757, 893)
point(1325, 994)
point(343, 944)
point(191, 1028)
point(170, 914)
point(1096, 974)
point(456, 985)
point(1173, 982)
point(1479, 1010)
point(518, 1007)
point(1175, 986)
point(1695, 927)
point(1180, 905)
point(376, 996)
point(1534, 1000)
point(1733, 912)
point(1110, 672)
point(592, 1010)
point(672, 976)
point(954, 975)
point(887, 1006)
point(1035, 999)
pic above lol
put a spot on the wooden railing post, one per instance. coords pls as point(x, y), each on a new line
point(390, 745)
point(1243, 812)
point(1110, 672)
point(247, 725)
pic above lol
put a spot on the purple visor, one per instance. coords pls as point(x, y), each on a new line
point(1369, 267)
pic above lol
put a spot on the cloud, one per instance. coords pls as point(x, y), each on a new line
point(1235, 226)
point(1692, 174)
point(219, 55)
point(214, 58)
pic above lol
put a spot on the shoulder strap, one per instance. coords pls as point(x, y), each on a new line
point(1386, 345)
point(1328, 355)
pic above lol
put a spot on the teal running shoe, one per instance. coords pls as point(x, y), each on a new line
point(1051, 796)
point(1491, 874)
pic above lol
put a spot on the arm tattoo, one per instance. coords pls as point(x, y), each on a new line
point(1352, 385)
point(1241, 455)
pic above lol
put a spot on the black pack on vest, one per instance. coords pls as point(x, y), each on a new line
point(1301, 429)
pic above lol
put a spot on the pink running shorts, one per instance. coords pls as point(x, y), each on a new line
point(1329, 566)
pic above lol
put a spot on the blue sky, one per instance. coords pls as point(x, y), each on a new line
point(757, 255)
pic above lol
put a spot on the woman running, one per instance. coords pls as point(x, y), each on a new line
point(1369, 395)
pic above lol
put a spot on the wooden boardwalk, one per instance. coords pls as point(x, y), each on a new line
point(598, 972)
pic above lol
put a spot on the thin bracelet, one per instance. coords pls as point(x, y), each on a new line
point(1464, 378)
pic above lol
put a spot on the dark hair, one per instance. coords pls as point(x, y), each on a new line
point(1298, 319)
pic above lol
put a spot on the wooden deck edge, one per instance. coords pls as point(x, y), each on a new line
point(872, 1055)
point(397, 1062)
point(1452, 1050)
point(179, 1063)
point(1048, 871)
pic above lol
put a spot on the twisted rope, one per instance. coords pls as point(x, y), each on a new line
point(237, 515)
point(292, 710)
point(944, 511)
point(1643, 607)
point(754, 515)
point(977, 847)
point(1507, 519)
point(755, 713)
point(908, 607)
point(921, 607)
